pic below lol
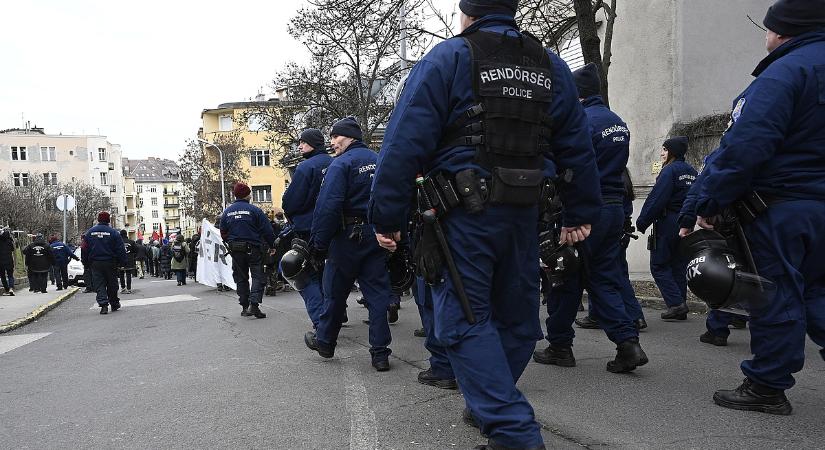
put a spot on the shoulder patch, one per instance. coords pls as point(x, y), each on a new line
point(737, 110)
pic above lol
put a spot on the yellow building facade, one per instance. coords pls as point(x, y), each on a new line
point(267, 180)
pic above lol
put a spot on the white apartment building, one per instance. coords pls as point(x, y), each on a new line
point(156, 197)
point(29, 153)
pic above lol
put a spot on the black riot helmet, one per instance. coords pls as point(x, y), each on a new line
point(717, 276)
point(402, 273)
point(561, 261)
point(296, 269)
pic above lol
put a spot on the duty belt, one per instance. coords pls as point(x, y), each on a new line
point(354, 220)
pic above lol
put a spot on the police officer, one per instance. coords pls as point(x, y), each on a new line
point(103, 253)
point(62, 253)
point(774, 148)
point(246, 230)
point(39, 260)
point(602, 276)
point(7, 261)
point(488, 118)
point(299, 204)
point(352, 252)
point(661, 208)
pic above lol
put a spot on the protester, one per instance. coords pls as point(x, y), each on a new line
point(165, 260)
point(7, 261)
point(125, 273)
point(180, 259)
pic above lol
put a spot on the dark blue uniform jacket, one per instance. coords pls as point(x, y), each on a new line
point(244, 222)
point(687, 216)
point(103, 243)
point(436, 93)
point(668, 193)
point(62, 253)
point(776, 144)
point(345, 192)
point(299, 198)
point(611, 141)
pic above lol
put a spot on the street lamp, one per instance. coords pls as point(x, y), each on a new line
point(223, 185)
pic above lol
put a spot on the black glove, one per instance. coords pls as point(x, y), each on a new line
point(628, 231)
point(548, 245)
point(315, 256)
point(429, 262)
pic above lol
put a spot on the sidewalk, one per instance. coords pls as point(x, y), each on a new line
point(26, 307)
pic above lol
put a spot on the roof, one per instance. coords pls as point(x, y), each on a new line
point(152, 170)
point(225, 107)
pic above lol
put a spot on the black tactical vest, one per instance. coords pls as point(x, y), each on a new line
point(509, 125)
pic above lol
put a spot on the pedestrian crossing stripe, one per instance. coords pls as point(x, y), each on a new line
point(9, 343)
point(154, 300)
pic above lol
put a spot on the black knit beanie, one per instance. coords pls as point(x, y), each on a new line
point(479, 8)
point(348, 127)
point(795, 17)
point(588, 81)
point(313, 137)
point(677, 146)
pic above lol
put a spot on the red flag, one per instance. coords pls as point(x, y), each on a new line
point(155, 236)
point(139, 235)
point(160, 230)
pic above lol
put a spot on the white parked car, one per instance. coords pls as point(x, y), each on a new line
point(76, 270)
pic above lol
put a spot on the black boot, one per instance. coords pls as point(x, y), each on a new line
point(710, 338)
point(115, 306)
point(245, 312)
point(678, 312)
point(311, 342)
point(555, 355)
point(427, 377)
point(588, 323)
point(382, 365)
point(629, 355)
point(256, 311)
point(104, 309)
point(392, 313)
point(641, 324)
point(750, 396)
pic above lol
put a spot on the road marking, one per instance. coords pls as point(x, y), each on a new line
point(154, 300)
point(363, 433)
point(9, 343)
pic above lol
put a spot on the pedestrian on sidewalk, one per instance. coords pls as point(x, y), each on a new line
point(140, 258)
point(661, 209)
point(39, 259)
point(62, 255)
point(104, 252)
point(125, 273)
point(7, 261)
point(180, 259)
point(165, 260)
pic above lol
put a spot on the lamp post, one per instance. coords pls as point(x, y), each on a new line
point(223, 185)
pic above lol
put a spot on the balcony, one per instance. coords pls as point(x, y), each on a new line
point(175, 216)
point(171, 205)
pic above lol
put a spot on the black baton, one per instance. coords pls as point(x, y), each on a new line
point(429, 216)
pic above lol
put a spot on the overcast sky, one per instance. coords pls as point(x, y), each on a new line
point(137, 72)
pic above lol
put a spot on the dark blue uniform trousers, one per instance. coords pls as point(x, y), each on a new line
point(313, 299)
point(104, 282)
point(718, 322)
point(366, 262)
point(439, 362)
point(602, 278)
point(787, 243)
point(246, 265)
point(667, 267)
point(631, 303)
point(496, 253)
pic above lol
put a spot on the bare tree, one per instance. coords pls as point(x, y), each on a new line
point(355, 64)
point(589, 36)
point(200, 174)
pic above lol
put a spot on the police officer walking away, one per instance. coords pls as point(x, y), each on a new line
point(774, 150)
point(246, 230)
point(602, 276)
point(62, 253)
point(482, 123)
point(103, 253)
point(39, 260)
point(661, 209)
point(353, 253)
point(299, 204)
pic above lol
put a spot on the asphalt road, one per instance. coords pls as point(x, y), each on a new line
point(194, 374)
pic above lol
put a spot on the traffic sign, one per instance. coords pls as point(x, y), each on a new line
point(65, 202)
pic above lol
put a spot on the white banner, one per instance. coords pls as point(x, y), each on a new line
point(214, 260)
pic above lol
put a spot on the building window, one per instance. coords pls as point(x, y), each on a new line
point(154, 201)
point(47, 154)
point(139, 189)
point(262, 194)
point(260, 158)
point(225, 122)
point(153, 189)
point(18, 154)
point(101, 154)
point(104, 178)
point(154, 214)
point(50, 179)
point(155, 226)
point(20, 179)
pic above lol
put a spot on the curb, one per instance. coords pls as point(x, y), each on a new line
point(37, 313)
